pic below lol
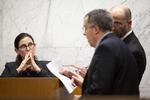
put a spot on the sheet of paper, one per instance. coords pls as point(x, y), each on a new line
point(54, 68)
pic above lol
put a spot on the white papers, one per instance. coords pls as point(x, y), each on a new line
point(54, 68)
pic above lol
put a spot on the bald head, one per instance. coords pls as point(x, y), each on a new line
point(122, 20)
point(122, 12)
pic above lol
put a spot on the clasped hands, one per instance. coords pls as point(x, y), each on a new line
point(28, 63)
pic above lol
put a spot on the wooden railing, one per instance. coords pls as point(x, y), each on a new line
point(39, 87)
point(44, 88)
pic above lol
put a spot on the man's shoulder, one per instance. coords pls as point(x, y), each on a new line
point(112, 39)
point(131, 38)
point(133, 43)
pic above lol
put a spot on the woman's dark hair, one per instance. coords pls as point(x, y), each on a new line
point(20, 37)
point(16, 44)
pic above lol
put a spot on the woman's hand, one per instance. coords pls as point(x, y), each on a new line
point(23, 66)
point(34, 66)
point(28, 63)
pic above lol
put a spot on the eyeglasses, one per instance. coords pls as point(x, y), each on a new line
point(24, 47)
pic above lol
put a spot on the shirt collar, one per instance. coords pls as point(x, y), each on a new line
point(102, 38)
point(126, 35)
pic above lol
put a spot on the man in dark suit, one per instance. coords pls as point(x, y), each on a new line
point(123, 29)
point(113, 69)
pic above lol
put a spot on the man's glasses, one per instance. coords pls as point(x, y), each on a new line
point(24, 47)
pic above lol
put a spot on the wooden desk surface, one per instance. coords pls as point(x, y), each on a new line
point(46, 88)
point(38, 87)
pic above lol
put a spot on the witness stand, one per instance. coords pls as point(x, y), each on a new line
point(30, 88)
point(44, 88)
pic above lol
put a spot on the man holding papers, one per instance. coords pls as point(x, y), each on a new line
point(113, 69)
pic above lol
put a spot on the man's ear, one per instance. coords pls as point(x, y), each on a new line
point(96, 29)
point(130, 22)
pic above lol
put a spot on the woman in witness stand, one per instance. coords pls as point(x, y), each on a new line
point(26, 64)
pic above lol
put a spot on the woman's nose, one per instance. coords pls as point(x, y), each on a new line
point(28, 48)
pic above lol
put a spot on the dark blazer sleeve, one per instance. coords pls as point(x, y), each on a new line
point(137, 50)
point(44, 70)
point(113, 70)
point(10, 70)
point(101, 82)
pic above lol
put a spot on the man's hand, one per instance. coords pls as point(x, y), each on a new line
point(77, 79)
point(65, 71)
point(81, 69)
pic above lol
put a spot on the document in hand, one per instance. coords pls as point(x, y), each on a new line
point(54, 68)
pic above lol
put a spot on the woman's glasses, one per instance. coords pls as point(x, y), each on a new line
point(24, 47)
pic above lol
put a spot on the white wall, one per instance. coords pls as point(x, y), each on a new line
point(1, 63)
point(56, 27)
